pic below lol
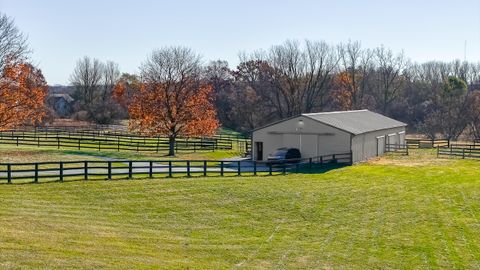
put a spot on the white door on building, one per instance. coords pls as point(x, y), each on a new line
point(380, 145)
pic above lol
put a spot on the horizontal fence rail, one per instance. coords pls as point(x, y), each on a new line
point(106, 140)
point(107, 129)
point(460, 150)
point(397, 148)
point(426, 143)
point(95, 169)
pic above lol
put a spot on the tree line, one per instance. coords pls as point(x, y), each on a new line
point(438, 99)
point(176, 93)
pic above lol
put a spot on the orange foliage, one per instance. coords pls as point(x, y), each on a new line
point(119, 94)
point(157, 109)
point(343, 93)
point(22, 95)
point(124, 90)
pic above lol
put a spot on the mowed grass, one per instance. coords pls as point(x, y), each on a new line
point(385, 214)
point(9, 153)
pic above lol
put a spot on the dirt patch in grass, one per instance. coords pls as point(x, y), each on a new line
point(25, 156)
point(414, 159)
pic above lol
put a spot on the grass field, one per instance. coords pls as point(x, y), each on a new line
point(34, 154)
point(415, 212)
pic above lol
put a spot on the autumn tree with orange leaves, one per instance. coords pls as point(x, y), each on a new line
point(171, 100)
point(22, 95)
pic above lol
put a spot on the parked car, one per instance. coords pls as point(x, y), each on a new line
point(283, 155)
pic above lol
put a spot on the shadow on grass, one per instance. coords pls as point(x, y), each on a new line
point(316, 169)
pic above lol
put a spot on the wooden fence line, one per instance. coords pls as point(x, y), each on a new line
point(158, 168)
point(397, 148)
point(463, 151)
point(79, 143)
point(130, 141)
point(119, 132)
point(426, 143)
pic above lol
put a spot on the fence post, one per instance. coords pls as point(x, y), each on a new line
point(58, 142)
point(221, 168)
point(130, 169)
point(438, 151)
point(61, 171)
point(85, 170)
point(321, 160)
point(188, 168)
point(36, 173)
point(150, 172)
point(310, 164)
point(9, 173)
point(79, 143)
point(239, 172)
point(463, 152)
point(109, 170)
point(284, 169)
point(170, 169)
point(255, 167)
point(269, 168)
point(204, 168)
point(17, 140)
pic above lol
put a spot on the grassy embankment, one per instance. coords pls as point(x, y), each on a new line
point(415, 212)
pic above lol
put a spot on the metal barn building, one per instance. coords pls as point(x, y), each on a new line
point(362, 132)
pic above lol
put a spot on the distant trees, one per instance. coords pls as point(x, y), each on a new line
point(284, 80)
point(172, 100)
point(94, 82)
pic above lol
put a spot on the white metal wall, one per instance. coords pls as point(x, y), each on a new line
point(371, 144)
point(311, 140)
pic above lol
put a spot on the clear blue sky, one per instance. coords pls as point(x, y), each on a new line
point(60, 32)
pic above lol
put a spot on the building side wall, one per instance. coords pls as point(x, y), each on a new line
point(371, 144)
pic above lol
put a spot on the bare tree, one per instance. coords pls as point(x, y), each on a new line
point(322, 60)
point(389, 79)
point(296, 76)
point(171, 65)
point(87, 78)
point(111, 75)
point(13, 43)
point(357, 64)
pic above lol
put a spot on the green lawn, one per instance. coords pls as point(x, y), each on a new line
point(10, 153)
point(415, 212)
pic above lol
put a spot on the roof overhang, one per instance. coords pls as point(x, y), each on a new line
point(301, 133)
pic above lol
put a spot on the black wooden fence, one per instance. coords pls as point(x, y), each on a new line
point(117, 142)
point(95, 169)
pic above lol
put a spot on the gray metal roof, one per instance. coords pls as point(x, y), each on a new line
point(355, 122)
